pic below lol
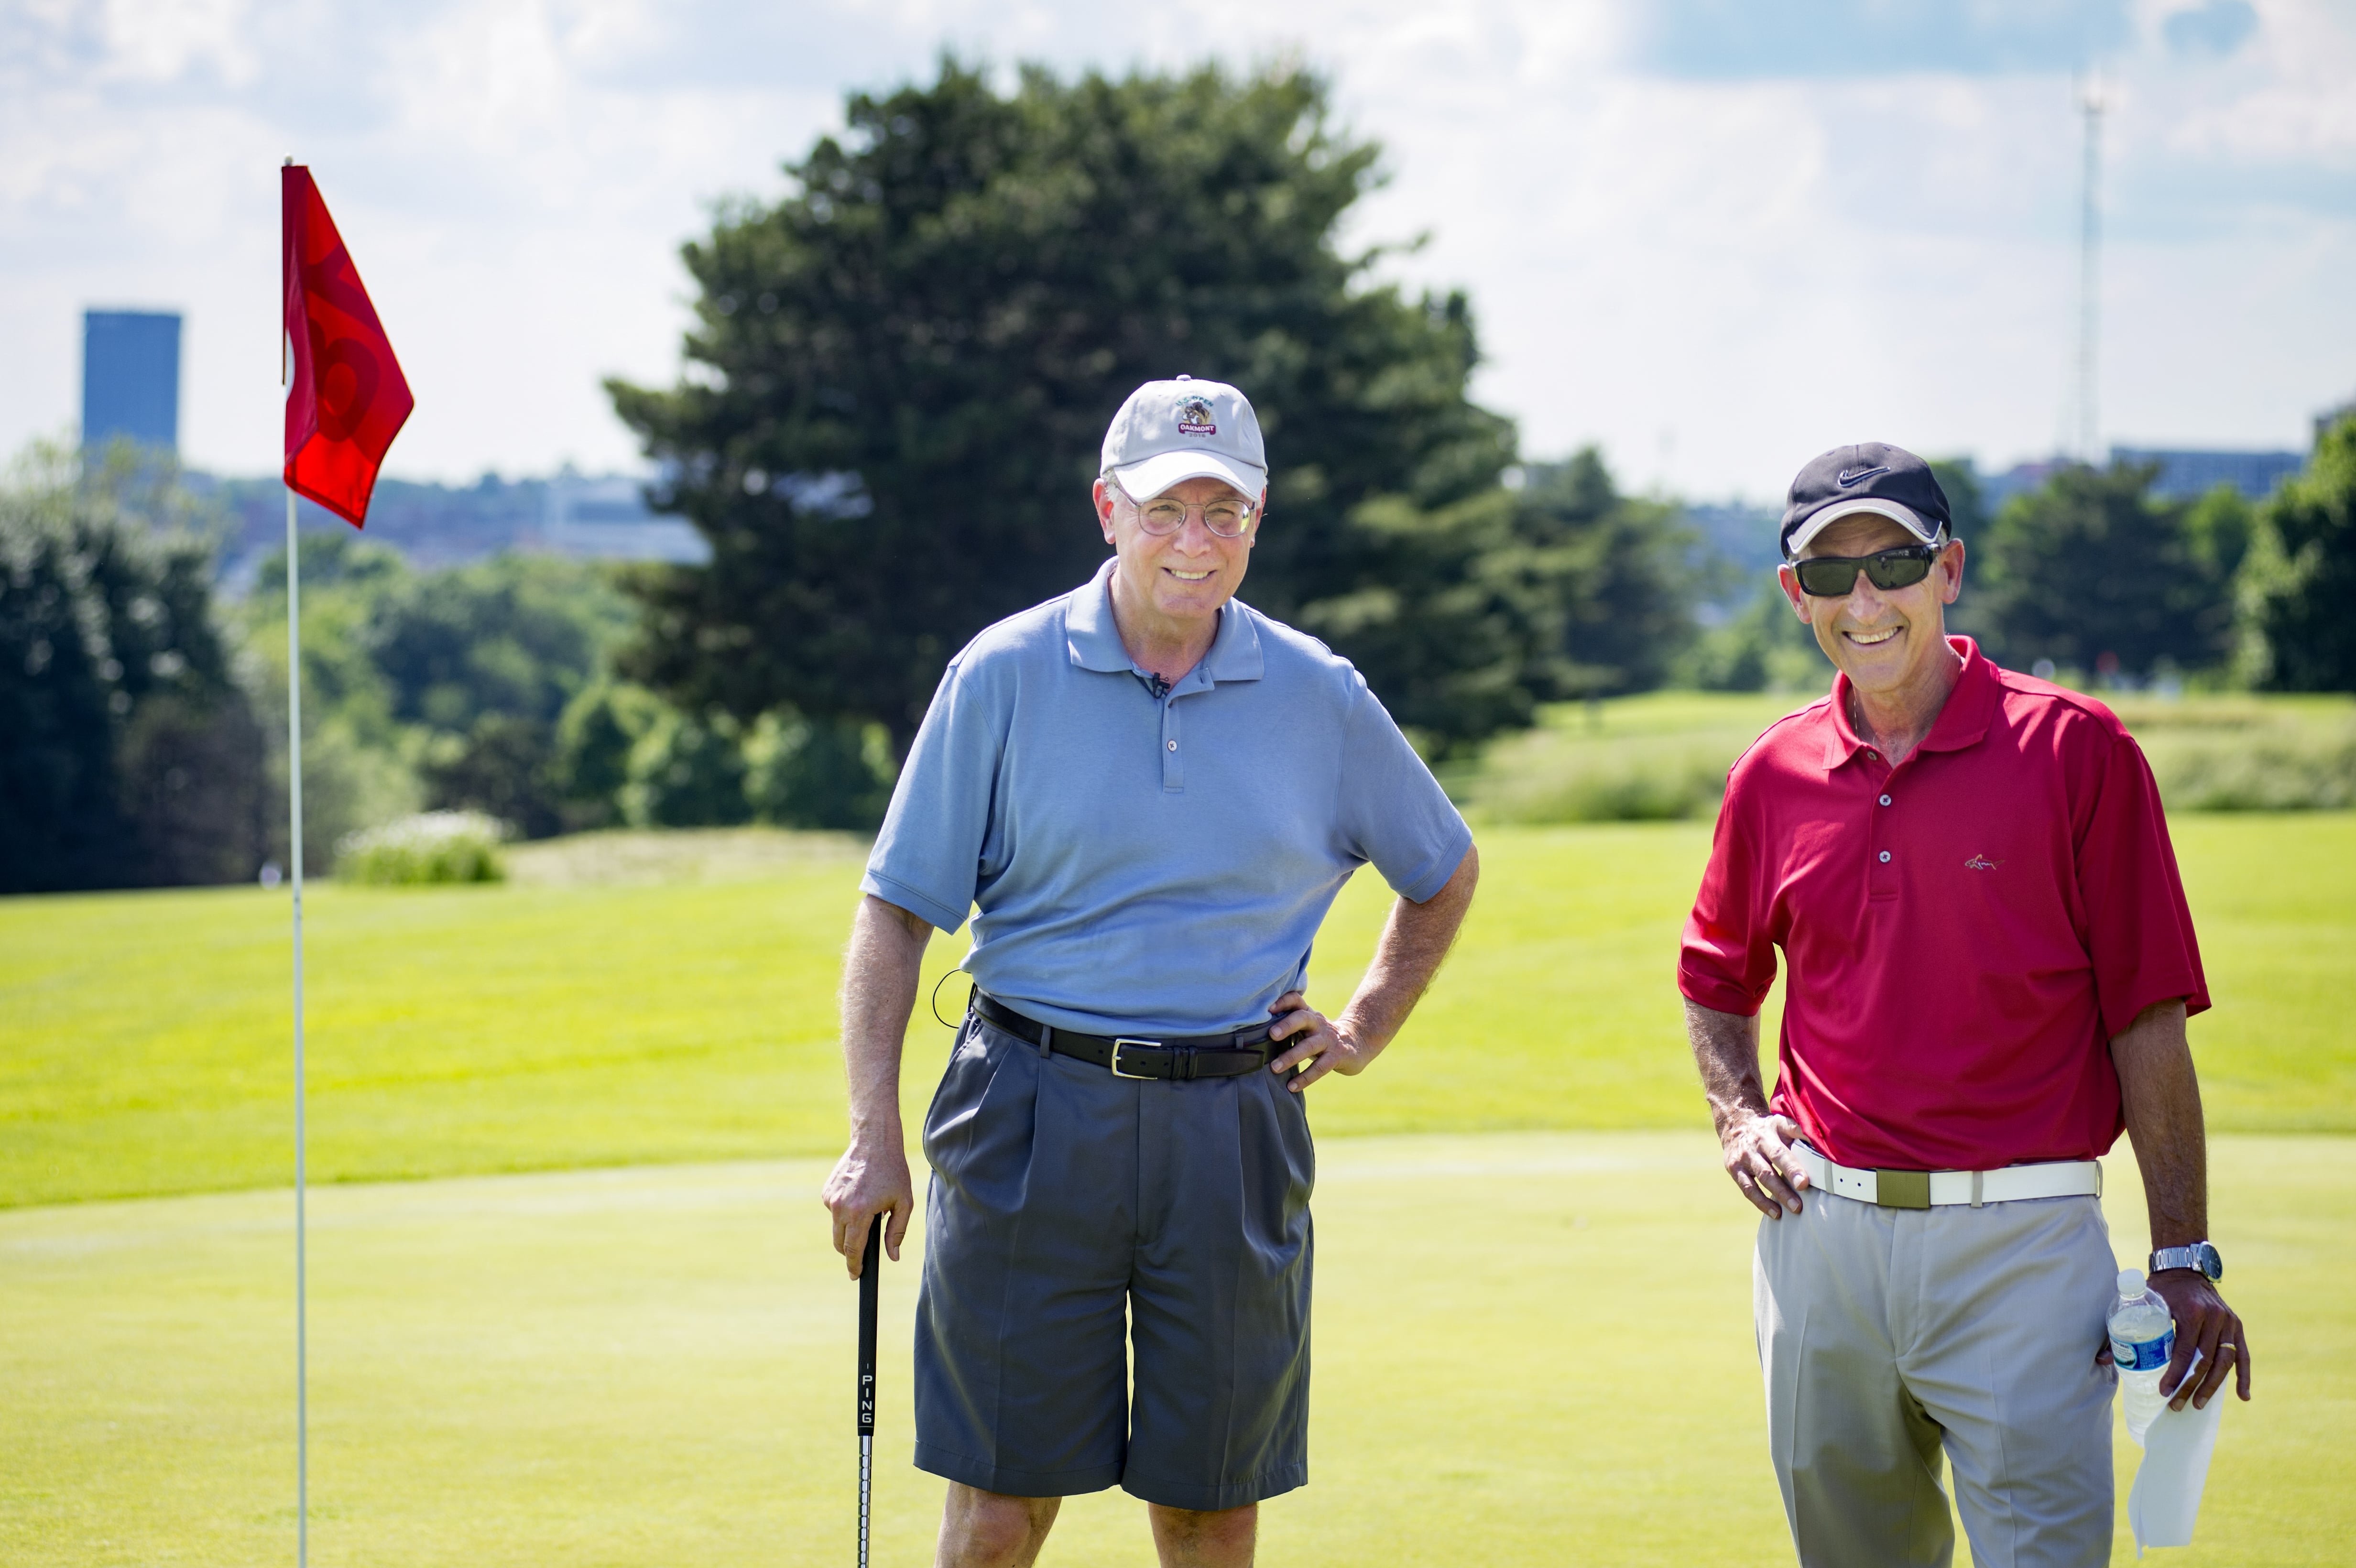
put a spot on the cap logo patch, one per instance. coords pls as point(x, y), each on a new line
point(1194, 416)
point(1848, 476)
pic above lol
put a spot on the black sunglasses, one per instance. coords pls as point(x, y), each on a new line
point(1835, 576)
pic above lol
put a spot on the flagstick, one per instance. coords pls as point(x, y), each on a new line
point(294, 857)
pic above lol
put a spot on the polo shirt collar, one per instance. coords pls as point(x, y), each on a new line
point(1235, 650)
point(1094, 642)
point(1962, 723)
point(1088, 630)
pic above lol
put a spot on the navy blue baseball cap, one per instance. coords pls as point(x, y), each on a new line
point(1872, 476)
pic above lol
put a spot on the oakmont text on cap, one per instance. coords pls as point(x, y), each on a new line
point(1870, 477)
point(1170, 432)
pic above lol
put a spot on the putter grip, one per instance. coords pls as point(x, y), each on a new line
point(871, 1272)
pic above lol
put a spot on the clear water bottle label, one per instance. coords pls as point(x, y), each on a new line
point(2144, 1357)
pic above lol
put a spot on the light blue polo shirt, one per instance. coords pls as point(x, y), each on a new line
point(1144, 865)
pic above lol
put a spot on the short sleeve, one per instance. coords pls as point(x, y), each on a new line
point(2139, 925)
point(1727, 959)
point(1392, 813)
point(928, 855)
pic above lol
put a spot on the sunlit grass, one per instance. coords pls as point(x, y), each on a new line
point(1531, 1350)
point(146, 1045)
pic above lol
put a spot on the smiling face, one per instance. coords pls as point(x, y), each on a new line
point(1174, 584)
point(1888, 641)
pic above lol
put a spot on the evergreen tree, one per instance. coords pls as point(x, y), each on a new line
point(2301, 579)
point(132, 756)
point(2096, 574)
point(903, 371)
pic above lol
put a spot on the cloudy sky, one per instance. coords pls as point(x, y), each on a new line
point(1714, 235)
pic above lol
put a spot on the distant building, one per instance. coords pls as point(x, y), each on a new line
point(607, 519)
point(1745, 535)
point(1996, 489)
point(2183, 475)
point(2186, 475)
point(131, 377)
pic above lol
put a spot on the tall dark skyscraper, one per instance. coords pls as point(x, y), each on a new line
point(131, 377)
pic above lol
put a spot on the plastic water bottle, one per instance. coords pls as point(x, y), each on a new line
point(2143, 1336)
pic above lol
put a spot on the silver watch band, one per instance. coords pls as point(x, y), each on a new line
point(2197, 1257)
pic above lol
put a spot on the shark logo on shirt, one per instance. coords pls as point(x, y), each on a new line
point(1981, 863)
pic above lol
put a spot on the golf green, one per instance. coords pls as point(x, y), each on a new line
point(1531, 1349)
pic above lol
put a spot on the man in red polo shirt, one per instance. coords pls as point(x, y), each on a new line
point(1991, 962)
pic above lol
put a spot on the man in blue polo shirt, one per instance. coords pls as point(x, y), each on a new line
point(1147, 794)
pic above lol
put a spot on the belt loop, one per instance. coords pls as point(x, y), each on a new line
point(1046, 1040)
point(1976, 1188)
point(1186, 1064)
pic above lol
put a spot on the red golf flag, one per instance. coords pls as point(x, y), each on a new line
point(348, 400)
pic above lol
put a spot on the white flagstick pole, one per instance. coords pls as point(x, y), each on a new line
point(294, 860)
point(294, 857)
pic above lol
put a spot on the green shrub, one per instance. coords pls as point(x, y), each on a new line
point(801, 772)
point(434, 847)
point(687, 770)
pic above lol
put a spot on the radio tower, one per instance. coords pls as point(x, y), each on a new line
point(2085, 438)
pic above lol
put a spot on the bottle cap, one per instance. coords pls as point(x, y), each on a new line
point(2130, 1281)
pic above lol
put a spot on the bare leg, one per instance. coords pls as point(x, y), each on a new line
point(1186, 1539)
point(990, 1530)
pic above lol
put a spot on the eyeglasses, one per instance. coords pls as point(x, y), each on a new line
point(1835, 576)
point(1165, 515)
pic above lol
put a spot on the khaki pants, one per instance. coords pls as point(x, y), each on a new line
point(1886, 1334)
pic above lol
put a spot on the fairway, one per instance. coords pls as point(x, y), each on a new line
point(1532, 1348)
point(572, 1301)
point(460, 1030)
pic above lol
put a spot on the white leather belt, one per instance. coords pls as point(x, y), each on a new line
point(1939, 1189)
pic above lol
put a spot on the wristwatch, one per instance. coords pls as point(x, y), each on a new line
point(2199, 1255)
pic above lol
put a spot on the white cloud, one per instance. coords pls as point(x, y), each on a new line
point(151, 43)
point(1714, 272)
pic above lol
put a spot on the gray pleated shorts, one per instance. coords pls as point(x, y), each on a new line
point(1077, 1220)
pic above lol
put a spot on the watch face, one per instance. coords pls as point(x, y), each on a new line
point(2200, 1255)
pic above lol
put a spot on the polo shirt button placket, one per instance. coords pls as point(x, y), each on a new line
point(1882, 880)
point(1174, 774)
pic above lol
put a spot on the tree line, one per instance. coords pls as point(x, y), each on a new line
point(899, 375)
point(897, 381)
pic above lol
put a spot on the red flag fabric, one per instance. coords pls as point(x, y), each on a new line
point(348, 398)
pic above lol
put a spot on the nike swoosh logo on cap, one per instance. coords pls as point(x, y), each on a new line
point(1847, 477)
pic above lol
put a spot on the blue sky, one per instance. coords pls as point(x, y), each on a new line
point(1715, 236)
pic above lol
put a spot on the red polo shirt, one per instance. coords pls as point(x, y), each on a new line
point(1966, 932)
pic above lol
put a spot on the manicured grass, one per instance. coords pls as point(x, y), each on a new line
point(555, 1024)
point(1532, 1350)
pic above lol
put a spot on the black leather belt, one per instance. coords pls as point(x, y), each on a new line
point(1193, 1056)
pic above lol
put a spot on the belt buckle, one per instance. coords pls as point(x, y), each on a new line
point(1142, 1044)
point(1902, 1188)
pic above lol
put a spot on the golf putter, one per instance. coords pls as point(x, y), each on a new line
point(870, 1273)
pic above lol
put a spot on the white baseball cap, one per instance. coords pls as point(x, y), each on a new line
point(1170, 432)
